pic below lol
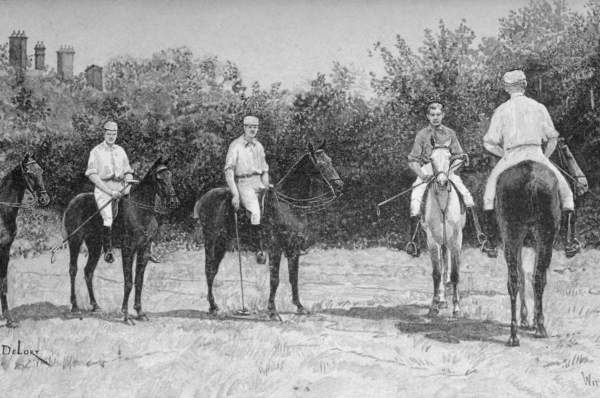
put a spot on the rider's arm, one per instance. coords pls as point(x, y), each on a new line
point(414, 157)
point(264, 177)
point(550, 133)
point(492, 140)
point(97, 181)
point(550, 147)
point(230, 162)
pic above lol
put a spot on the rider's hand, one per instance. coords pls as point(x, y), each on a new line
point(235, 201)
point(116, 194)
point(426, 176)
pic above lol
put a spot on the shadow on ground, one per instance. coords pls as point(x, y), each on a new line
point(413, 319)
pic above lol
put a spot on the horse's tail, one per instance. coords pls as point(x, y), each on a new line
point(63, 230)
point(533, 188)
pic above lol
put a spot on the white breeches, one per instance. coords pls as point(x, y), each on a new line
point(517, 155)
point(416, 196)
point(249, 188)
point(102, 198)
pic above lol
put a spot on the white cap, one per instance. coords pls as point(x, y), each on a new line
point(514, 77)
point(112, 126)
point(250, 120)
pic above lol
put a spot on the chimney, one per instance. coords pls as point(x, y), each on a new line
point(64, 62)
point(40, 56)
point(17, 50)
point(93, 75)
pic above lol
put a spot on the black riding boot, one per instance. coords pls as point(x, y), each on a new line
point(572, 245)
point(491, 232)
point(107, 244)
point(412, 247)
point(258, 234)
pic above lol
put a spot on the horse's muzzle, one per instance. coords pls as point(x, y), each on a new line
point(43, 198)
point(174, 202)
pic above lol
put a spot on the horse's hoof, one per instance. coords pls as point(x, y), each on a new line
point(540, 332)
point(128, 321)
point(274, 316)
point(213, 311)
point(513, 342)
point(96, 308)
point(302, 311)
point(142, 317)
point(524, 324)
point(75, 309)
point(11, 324)
point(433, 311)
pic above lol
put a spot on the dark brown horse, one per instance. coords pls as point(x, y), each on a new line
point(310, 185)
point(27, 175)
point(527, 200)
point(134, 228)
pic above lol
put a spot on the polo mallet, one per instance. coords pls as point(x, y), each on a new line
point(243, 311)
point(55, 248)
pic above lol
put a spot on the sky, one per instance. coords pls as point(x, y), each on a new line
point(270, 40)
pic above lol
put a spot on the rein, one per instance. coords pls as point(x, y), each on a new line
point(307, 205)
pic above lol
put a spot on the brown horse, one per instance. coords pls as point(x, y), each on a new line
point(527, 199)
point(134, 227)
point(27, 175)
point(285, 220)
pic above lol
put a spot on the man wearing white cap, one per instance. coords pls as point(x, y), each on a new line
point(247, 174)
point(108, 168)
point(516, 133)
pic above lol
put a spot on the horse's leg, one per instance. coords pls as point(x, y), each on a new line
point(293, 268)
point(94, 250)
point(524, 312)
point(512, 253)
point(143, 255)
point(454, 278)
point(543, 258)
point(127, 259)
point(4, 257)
point(274, 263)
point(434, 251)
point(444, 259)
point(214, 252)
point(74, 247)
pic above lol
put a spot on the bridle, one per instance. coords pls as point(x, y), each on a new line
point(315, 203)
point(25, 173)
point(152, 207)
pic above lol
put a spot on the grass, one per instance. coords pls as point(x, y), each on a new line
point(368, 334)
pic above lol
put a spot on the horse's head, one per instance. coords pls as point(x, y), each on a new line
point(34, 181)
point(322, 163)
point(440, 163)
point(162, 178)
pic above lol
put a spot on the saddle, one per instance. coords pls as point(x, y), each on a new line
point(461, 200)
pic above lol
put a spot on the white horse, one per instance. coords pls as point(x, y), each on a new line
point(443, 223)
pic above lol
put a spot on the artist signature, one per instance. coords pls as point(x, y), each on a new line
point(22, 349)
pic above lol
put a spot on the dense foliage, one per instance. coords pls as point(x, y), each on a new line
point(190, 109)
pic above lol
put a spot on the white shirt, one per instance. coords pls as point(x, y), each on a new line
point(246, 157)
point(109, 162)
point(520, 121)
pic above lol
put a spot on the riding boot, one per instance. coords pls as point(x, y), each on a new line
point(260, 254)
point(491, 232)
point(107, 244)
point(412, 247)
point(572, 245)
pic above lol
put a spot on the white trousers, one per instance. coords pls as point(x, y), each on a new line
point(517, 155)
point(102, 198)
point(249, 188)
point(416, 196)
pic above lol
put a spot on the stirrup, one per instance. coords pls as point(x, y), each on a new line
point(109, 257)
point(261, 258)
point(492, 252)
point(571, 249)
point(412, 249)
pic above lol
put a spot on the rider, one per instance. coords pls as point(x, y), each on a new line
point(516, 133)
point(419, 162)
point(247, 174)
point(108, 168)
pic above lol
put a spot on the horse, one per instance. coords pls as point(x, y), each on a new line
point(134, 228)
point(285, 221)
point(527, 199)
point(27, 175)
point(443, 223)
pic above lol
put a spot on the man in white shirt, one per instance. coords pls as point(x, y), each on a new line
point(517, 131)
point(247, 174)
point(108, 168)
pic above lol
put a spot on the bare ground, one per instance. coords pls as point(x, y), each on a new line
point(368, 334)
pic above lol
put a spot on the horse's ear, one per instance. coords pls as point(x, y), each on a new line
point(322, 146)
point(311, 148)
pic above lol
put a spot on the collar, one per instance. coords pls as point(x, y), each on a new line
point(108, 147)
point(441, 129)
point(248, 142)
point(513, 95)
